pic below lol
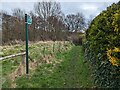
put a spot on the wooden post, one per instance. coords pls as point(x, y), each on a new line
point(53, 46)
point(59, 46)
point(44, 52)
point(64, 43)
point(23, 64)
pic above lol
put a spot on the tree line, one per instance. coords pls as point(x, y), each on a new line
point(48, 23)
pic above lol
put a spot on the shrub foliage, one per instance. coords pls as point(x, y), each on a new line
point(102, 47)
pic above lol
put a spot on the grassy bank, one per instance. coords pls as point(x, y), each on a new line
point(40, 52)
point(71, 72)
point(63, 68)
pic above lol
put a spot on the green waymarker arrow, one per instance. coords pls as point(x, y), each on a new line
point(29, 20)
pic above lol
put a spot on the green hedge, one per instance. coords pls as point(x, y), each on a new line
point(102, 47)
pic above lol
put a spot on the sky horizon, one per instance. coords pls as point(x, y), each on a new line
point(88, 9)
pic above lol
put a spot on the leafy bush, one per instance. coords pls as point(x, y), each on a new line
point(102, 47)
point(78, 41)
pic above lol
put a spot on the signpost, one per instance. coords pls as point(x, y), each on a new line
point(28, 21)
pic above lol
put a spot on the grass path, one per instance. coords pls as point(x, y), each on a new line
point(71, 73)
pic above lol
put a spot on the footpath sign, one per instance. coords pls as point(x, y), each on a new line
point(28, 21)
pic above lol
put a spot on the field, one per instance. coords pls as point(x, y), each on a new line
point(57, 64)
point(66, 49)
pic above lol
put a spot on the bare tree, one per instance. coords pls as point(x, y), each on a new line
point(17, 12)
point(46, 9)
point(18, 18)
point(75, 22)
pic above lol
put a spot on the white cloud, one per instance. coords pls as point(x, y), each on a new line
point(89, 7)
point(9, 6)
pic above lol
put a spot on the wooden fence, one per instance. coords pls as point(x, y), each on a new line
point(14, 55)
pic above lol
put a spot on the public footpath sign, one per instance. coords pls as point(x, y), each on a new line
point(28, 21)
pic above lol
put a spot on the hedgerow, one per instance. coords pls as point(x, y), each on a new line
point(102, 47)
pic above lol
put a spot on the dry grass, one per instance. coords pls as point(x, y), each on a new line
point(35, 48)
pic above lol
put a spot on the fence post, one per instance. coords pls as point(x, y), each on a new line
point(23, 63)
point(53, 46)
point(44, 51)
point(59, 46)
point(64, 43)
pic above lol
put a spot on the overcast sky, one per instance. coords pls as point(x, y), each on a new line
point(90, 8)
